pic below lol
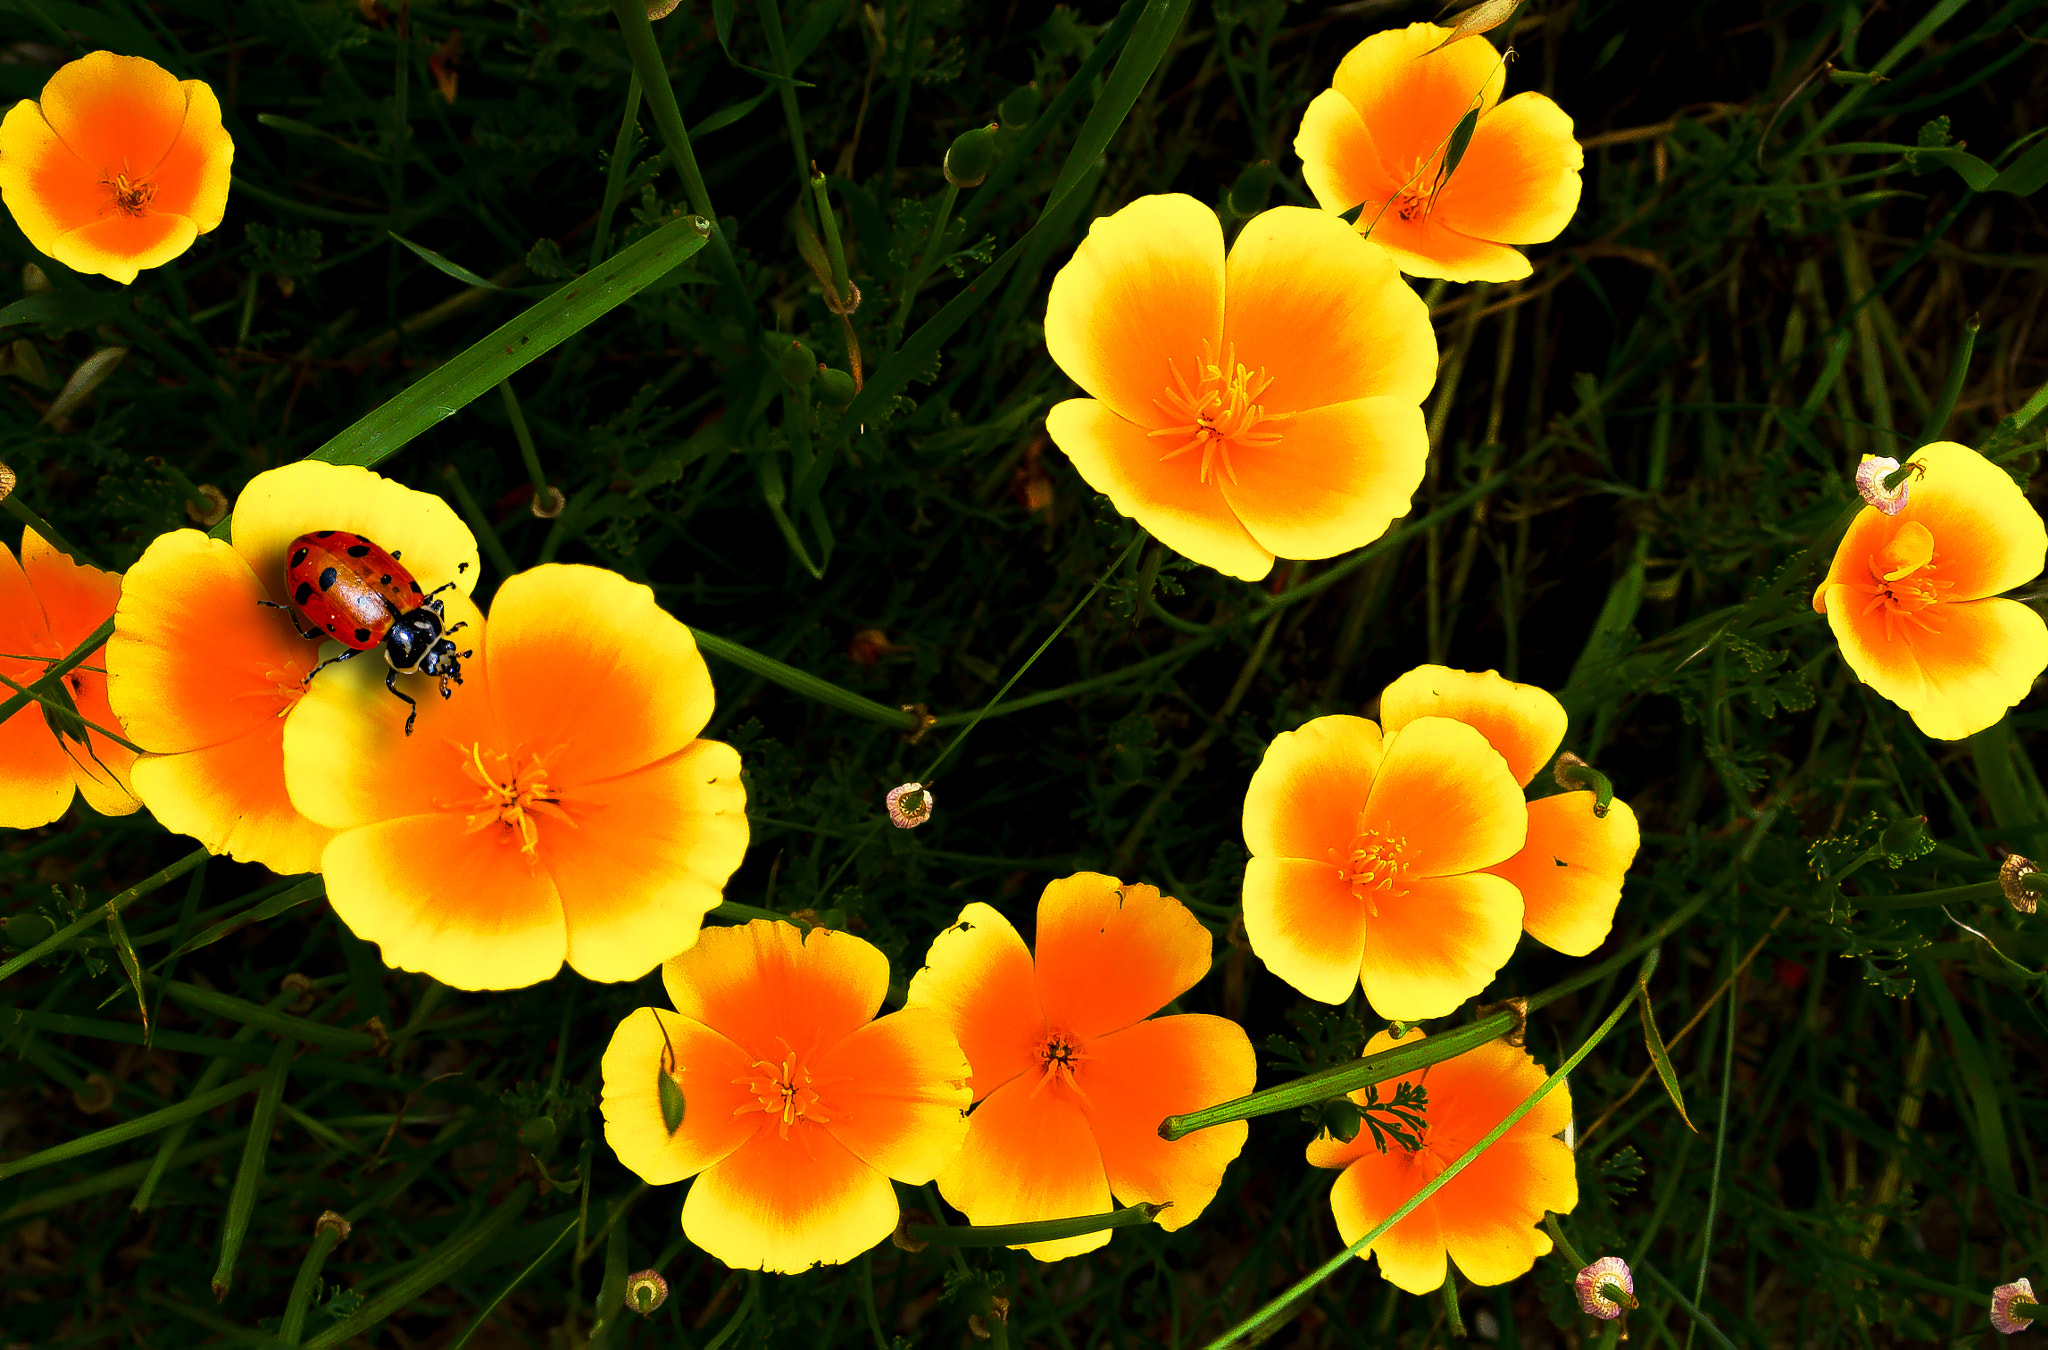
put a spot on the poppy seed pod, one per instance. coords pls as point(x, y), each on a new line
point(835, 387)
point(1020, 107)
point(798, 364)
point(646, 1291)
point(1248, 194)
point(2013, 1307)
point(971, 156)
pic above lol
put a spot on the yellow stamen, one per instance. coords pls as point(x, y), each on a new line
point(513, 797)
point(1220, 414)
point(783, 1091)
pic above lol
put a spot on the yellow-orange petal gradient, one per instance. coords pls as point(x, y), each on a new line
point(785, 1205)
point(1524, 723)
point(1444, 800)
point(1411, 96)
point(1110, 953)
point(978, 977)
point(1571, 869)
point(1335, 478)
point(703, 1064)
point(1142, 293)
point(1306, 795)
point(1441, 942)
point(307, 495)
point(1135, 1078)
point(1029, 1156)
point(1987, 536)
point(763, 982)
point(1303, 920)
point(897, 1095)
point(118, 168)
point(1956, 670)
point(1339, 161)
point(1518, 182)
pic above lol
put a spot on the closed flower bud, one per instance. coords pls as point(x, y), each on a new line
point(538, 1132)
point(645, 1291)
point(909, 805)
point(835, 387)
point(1248, 194)
point(2013, 1307)
point(1020, 107)
point(798, 364)
point(2012, 874)
point(29, 930)
point(1606, 1288)
point(972, 155)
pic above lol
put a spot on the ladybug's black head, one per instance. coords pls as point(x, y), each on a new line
point(413, 638)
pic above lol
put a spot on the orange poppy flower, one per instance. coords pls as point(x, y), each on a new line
point(204, 676)
point(1570, 867)
point(1070, 1078)
point(120, 167)
point(48, 605)
point(1487, 1217)
point(793, 1104)
point(1912, 597)
point(1265, 403)
point(1370, 862)
point(1377, 140)
point(559, 806)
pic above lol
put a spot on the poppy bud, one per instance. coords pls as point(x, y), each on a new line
point(34, 281)
point(835, 387)
point(29, 930)
point(1248, 194)
point(1341, 1119)
point(645, 1291)
point(1020, 107)
point(2013, 1307)
point(870, 645)
point(798, 364)
point(538, 1132)
point(1905, 837)
point(1606, 1288)
point(2012, 879)
point(971, 156)
point(909, 806)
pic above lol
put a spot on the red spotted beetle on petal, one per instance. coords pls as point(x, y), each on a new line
point(362, 597)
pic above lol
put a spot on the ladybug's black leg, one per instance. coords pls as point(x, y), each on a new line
point(444, 586)
point(391, 683)
point(457, 629)
point(315, 634)
point(328, 662)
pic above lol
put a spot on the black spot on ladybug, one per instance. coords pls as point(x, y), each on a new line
point(362, 635)
point(330, 628)
point(304, 592)
point(327, 578)
point(358, 550)
point(415, 588)
point(322, 534)
point(300, 556)
point(385, 580)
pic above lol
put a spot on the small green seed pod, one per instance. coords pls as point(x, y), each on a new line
point(1020, 107)
point(835, 387)
point(972, 155)
point(798, 364)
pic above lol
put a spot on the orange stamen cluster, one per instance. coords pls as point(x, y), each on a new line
point(1058, 1054)
point(513, 797)
point(1218, 413)
point(129, 196)
point(1903, 583)
point(783, 1091)
point(1374, 868)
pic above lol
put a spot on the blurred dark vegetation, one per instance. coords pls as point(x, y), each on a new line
point(1629, 447)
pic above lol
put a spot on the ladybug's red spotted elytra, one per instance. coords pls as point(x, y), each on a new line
point(362, 597)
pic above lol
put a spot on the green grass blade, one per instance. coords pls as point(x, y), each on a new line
point(1659, 1056)
point(448, 266)
point(249, 1177)
point(139, 1128)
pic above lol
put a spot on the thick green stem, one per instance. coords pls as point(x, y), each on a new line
point(326, 1234)
point(1018, 1234)
point(803, 682)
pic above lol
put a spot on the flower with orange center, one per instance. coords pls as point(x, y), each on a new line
point(204, 675)
point(1370, 857)
point(1913, 597)
point(1570, 867)
point(1070, 1077)
point(48, 605)
point(120, 167)
point(559, 807)
point(1487, 1217)
point(1263, 404)
point(1378, 140)
point(786, 1097)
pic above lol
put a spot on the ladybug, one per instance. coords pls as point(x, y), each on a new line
point(362, 597)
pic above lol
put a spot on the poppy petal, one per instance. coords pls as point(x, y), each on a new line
point(1329, 319)
point(119, 246)
point(119, 114)
point(705, 1064)
point(1135, 1078)
point(1029, 1156)
point(48, 190)
point(38, 785)
point(1570, 870)
point(192, 179)
point(1140, 297)
point(307, 495)
point(1303, 921)
point(1956, 675)
point(478, 917)
point(647, 858)
point(1428, 247)
point(1524, 723)
point(1490, 1213)
point(1447, 796)
point(1334, 481)
point(896, 1093)
point(619, 687)
point(1438, 945)
point(195, 660)
point(231, 797)
point(1413, 97)
point(1339, 161)
point(1306, 796)
point(814, 989)
point(1110, 953)
point(785, 1205)
point(978, 977)
point(1988, 538)
point(1122, 460)
point(1518, 182)
point(1473, 1092)
point(1411, 1253)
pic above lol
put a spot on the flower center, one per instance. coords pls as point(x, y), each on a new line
point(1217, 412)
point(1902, 581)
point(1374, 868)
point(1059, 1053)
point(129, 196)
point(783, 1091)
point(515, 796)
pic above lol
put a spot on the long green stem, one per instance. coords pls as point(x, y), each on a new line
point(1019, 1234)
point(249, 1176)
point(803, 682)
point(92, 643)
point(326, 1234)
point(926, 259)
point(1250, 1330)
point(615, 173)
point(17, 508)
